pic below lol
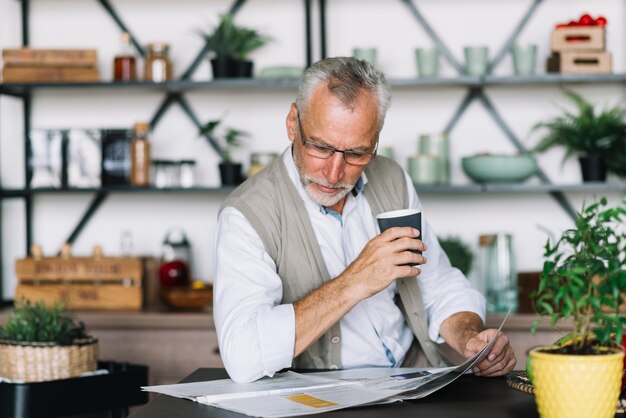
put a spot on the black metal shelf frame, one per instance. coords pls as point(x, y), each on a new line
point(175, 95)
point(592, 187)
point(182, 86)
point(477, 92)
point(172, 96)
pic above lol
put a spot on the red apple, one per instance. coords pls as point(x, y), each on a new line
point(586, 20)
point(601, 21)
point(174, 273)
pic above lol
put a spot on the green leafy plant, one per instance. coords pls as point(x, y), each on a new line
point(230, 139)
point(459, 253)
point(588, 132)
point(230, 40)
point(584, 278)
point(38, 323)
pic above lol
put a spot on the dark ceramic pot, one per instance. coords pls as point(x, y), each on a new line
point(244, 69)
point(593, 168)
point(224, 67)
point(230, 174)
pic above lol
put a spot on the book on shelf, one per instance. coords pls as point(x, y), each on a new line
point(50, 74)
point(27, 57)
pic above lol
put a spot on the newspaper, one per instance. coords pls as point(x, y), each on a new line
point(294, 394)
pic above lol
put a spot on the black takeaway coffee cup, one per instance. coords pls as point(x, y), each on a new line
point(402, 217)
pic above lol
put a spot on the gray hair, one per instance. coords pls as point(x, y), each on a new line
point(346, 78)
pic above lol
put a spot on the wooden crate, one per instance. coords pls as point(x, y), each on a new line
point(580, 62)
point(90, 283)
point(578, 38)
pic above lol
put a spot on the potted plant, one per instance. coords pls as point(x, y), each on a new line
point(40, 343)
point(231, 45)
point(599, 139)
point(584, 280)
point(458, 252)
point(230, 171)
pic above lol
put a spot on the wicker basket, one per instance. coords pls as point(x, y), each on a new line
point(38, 362)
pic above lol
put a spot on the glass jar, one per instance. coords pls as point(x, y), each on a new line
point(497, 268)
point(158, 67)
point(186, 173)
point(166, 173)
point(437, 145)
point(258, 160)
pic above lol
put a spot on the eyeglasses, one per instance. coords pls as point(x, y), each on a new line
point(326, 151)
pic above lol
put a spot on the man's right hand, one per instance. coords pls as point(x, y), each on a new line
point(384, 259)
point(376, 267)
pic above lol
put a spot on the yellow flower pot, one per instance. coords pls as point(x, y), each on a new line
point(572, 386)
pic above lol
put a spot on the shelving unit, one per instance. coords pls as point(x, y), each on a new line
point(174, 92)
point(179, 86)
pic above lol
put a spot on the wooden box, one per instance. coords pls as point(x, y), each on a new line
point(527, 283)
point(580, 62)
point(91, 283)
point(578, 38)
point(28, 57)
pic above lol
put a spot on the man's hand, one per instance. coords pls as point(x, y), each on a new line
point(501, 358)
point(464, 331)
point(385, 258)
point(378, 265)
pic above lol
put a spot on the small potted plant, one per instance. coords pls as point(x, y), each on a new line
point(230, 171)
point(583, 280)
point(231, 45)
point(458, 252)
point(598, 139)
point(40, 343)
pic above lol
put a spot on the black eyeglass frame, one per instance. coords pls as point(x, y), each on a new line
point(332, 149)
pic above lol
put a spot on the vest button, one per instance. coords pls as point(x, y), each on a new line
point(333, 367)
point(335, 339)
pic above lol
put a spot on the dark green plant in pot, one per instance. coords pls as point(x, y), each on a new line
point(230, 171)
point(597, 138)
point(584, 278)
point(231, 45)
point(38, 323)
point(459, 253)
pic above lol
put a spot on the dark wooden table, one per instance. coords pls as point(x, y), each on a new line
point(466, 397)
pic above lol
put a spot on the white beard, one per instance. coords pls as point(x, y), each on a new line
point(324, 199)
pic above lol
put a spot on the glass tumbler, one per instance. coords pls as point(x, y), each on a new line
point(497, 268)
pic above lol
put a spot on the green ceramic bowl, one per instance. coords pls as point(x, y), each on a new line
point(499, 168)
point(281, 73)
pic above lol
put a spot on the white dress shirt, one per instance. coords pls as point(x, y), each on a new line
point(256, 333)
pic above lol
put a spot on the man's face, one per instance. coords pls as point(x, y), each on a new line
point(329, 122)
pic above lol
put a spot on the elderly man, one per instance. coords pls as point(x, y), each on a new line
point(303, 276)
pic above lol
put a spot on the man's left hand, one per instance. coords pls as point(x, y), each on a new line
point(500, 360)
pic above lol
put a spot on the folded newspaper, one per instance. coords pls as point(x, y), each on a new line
point(292, 394)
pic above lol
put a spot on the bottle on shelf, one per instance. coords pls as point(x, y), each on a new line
point(125, 63)
point(158, 67)
point(140, 155)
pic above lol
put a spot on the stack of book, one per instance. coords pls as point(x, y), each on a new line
point(26, 65)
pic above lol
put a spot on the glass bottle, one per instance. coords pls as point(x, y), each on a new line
point(158, 67)
point(125, 63)
point(140, 155)
point(497, 267)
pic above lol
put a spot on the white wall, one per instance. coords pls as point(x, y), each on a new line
point(386, 25)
